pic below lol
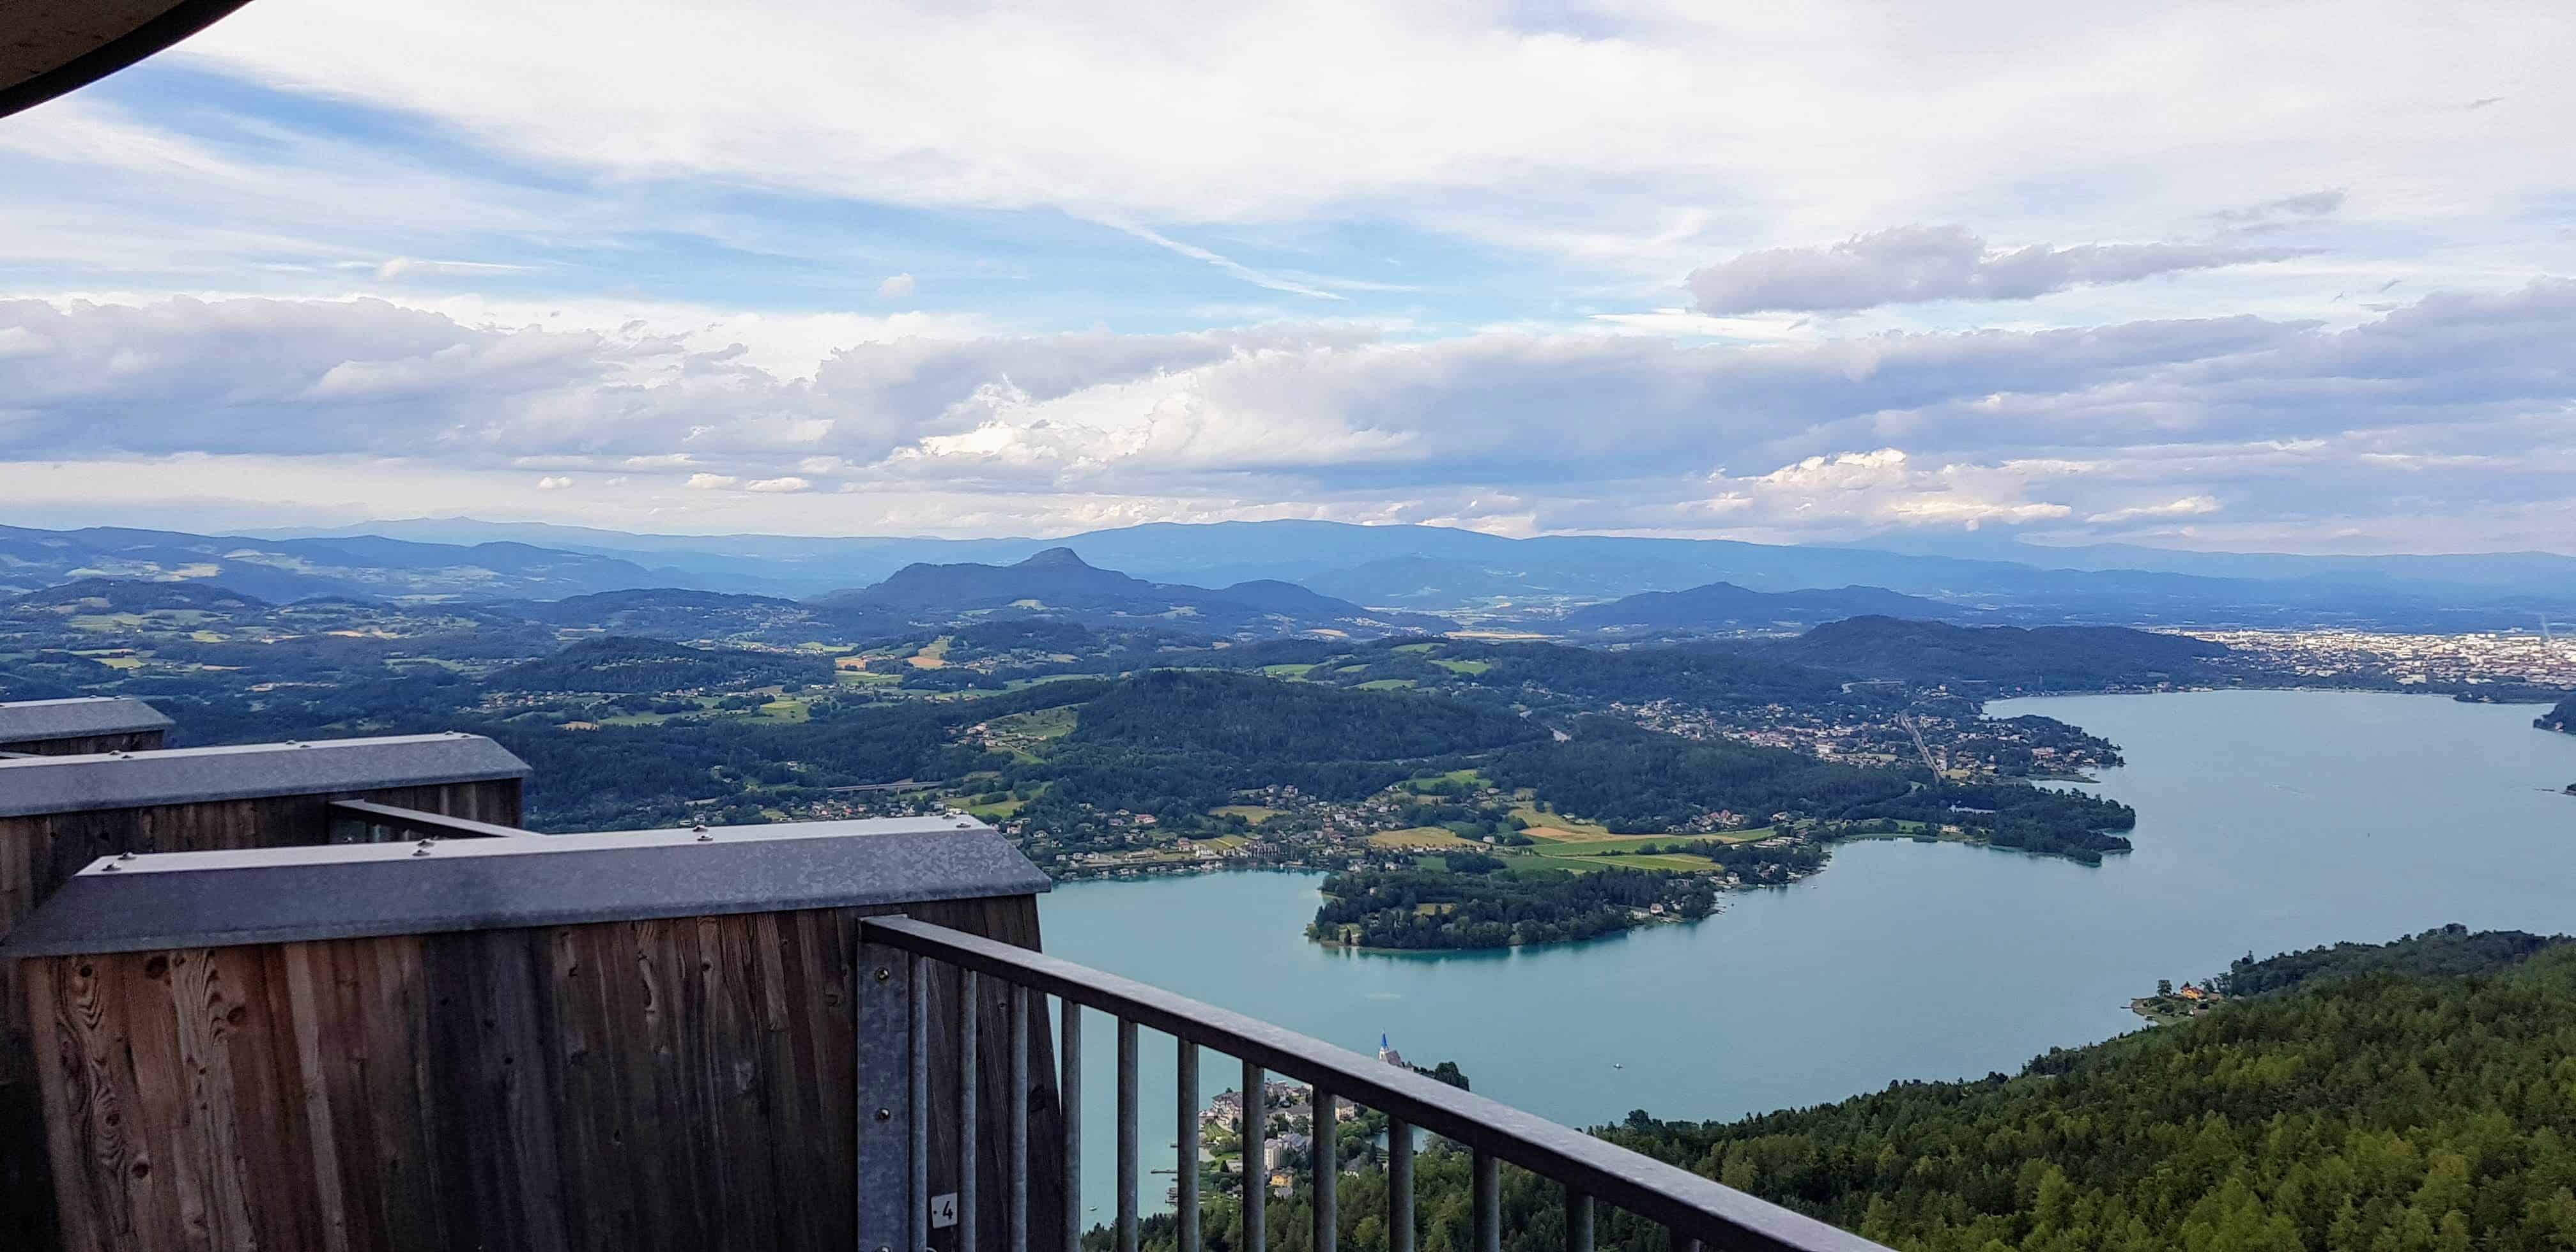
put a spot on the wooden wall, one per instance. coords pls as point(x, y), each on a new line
point(636, 1085)
point(40, 853)
point(122, 741)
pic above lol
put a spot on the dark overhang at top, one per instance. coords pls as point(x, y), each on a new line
point(348, 891)
point(28, 721)
point(48, 47)
point(134, 780)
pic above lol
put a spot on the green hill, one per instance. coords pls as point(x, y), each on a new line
point(620, 663)
point(2379, 1111)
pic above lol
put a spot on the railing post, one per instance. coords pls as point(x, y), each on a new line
point(1399, 1185)
point(886, 1064)
point(970, 1074)
point(1185, 1163)
point(1126, 1135)
point(917, 1194)
point(1069, 1088)
point(1327, 1142)
point(1256, 1180)
point(1019, 1119)
point(1489, 1203)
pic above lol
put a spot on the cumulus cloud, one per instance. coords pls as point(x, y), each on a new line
point(2104, 426)
point(898, 287)
point(553, 482)
point(1912, 264)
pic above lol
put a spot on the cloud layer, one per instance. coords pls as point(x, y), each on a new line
point(2134, 429)
point(1914, 264)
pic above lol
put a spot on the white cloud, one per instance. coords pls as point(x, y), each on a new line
point(2187, 506)
point(1913, 264)
point(898, 287)
point(553, 482)
point(2453, 398)
point(414, 267)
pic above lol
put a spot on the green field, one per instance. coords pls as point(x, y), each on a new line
point(1383, 684)
point(1413, 648)
point(1253, 813)
point(1465, 667)
point(1288, 671)
point(1547, 826)
point(1420, 837)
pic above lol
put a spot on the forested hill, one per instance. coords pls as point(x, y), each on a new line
point(2561, 719)
point(1724, 605)
point(624, 664)
point(2039, 658)
point(2441, 952)
point(1247, 717)
point(2386, 1110)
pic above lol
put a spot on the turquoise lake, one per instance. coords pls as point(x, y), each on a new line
point(2267, 820)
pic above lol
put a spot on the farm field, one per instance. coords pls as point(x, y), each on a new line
point(1420, 837)
point(1253, 813)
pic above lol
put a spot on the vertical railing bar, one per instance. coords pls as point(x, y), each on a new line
point(919, 1199)
point(969, 1077)
point(1328, 1168)
point(1019, 1106)
point(1126, 1135)
point(1489, 1203)
point(1578, 1221)
point(1069, 1083)
point(1681, 1242)
point(1185, 1164)
point(1399, 1185)
point(1256, 1180)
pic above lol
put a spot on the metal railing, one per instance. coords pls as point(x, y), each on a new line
point(1696, 1211)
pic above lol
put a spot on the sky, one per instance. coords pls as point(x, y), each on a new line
point(2250, 276)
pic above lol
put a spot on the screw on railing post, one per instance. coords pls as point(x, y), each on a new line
point(1399, 1185)
point(1328, 1169)
point(970, 1073)
point(1185, 1162)
point(1256, 1180)
point(1126, 1135)
point(1489, 1203)
point(1069, 1084)
point(1578, 1221)
point(1019, 1125)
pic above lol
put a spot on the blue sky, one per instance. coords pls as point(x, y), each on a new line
point(2294, 276)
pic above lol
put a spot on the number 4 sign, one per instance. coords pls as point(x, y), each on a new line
point(943, 1211)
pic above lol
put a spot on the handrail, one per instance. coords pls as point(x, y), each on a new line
point(388, 815)
point(1690, 1205)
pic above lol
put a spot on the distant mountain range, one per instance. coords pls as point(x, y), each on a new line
point(1725, 606)
point(1057, 582)
point(299, 569)
point(1403, 569)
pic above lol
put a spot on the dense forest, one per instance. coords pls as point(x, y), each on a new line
point(2561, 719)
point(2043, 658)
point(2440, 952)
point(1479, 906)
point(626, 664)
point(2424, 1104)
point(1629, 778)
